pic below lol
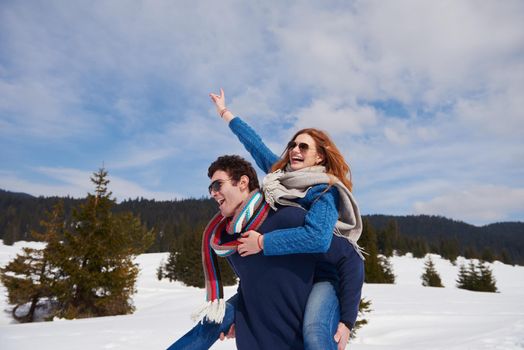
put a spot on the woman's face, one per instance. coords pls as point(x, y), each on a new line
point(303, 152)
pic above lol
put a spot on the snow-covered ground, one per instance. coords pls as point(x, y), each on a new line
point(405, 315)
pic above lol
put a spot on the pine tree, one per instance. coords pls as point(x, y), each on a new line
point(449, 249)
point(470, 253)
point(377, 269)
point(160, 270)
point(391, 237)
point(486, 282)
point(97, 272)
point(29, 277)
point(505, 258)
point(430, 277)
point(387, 275)
point(476, 278)
point(363, 308)
point(420, 248)
point(185, 262)
point(487, 255)
point(12, 230)
point(463, 278)
point(27, 282)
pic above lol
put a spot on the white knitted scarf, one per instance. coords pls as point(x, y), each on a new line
point(282, 187)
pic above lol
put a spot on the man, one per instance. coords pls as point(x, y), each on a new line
point(273, 290)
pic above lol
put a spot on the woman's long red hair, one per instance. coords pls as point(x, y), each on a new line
point(334, 162)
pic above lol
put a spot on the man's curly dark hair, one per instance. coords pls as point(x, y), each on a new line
point(235, 166)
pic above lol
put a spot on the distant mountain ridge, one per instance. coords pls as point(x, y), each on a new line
point(417, 223)
point(20, 213)
point(499, 238)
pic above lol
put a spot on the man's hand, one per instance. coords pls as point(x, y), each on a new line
point(250, 243)
point(342, 336)
point(230, 334)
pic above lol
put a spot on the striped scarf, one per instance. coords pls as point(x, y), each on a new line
point(220, 239)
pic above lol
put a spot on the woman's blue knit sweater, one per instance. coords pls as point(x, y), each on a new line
point(322, 214)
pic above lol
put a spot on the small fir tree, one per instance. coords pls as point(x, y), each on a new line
point(487, 255)
point(470, 253)
point(486, 282)
point(184, 263)
point(420, 248)
point(160, 270)
point(27, 280)
point(388, 238)
point(377, 268)
point(466, 279)
point(30, 277)
point(387, 275)
point(476, 278)
point(505, 258)
point(449, 249)
point(363, 309)
point(430, 277)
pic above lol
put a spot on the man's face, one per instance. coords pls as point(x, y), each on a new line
point(228, 196)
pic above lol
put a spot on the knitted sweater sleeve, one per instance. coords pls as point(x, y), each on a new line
point(263, 156)
point(316, 234)
point(350, 268)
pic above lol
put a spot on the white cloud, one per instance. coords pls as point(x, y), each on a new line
point(76, 183)
point(477, 204)
point(337, 117)
point(135, 156)
point(77, 186)
point(497, 115)
point(42, 108)
point(396, 136)
point(75, 179)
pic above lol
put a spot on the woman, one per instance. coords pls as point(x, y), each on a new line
point(310, 151)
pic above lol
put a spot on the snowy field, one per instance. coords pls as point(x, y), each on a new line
point(405, 315)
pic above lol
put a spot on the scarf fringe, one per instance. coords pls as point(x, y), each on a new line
point(360, 251)
point(213, 311)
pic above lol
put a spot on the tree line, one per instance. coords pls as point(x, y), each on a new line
point(20, 214)
point(86, 268)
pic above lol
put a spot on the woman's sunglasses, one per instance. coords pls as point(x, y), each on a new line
point(303, 147)
point(216, 185)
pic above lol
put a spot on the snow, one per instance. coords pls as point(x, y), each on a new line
point(405, 315)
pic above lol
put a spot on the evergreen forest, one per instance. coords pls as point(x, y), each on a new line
point(21, 214)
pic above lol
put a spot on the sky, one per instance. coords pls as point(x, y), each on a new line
point(424, 98)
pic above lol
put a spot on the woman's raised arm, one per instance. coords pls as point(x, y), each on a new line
point(253, 143)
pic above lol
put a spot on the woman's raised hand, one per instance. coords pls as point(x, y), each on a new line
point(220, 104)
point(218, 100)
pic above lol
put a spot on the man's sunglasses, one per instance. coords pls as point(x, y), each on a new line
point(216, 185)
point(303, 147)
